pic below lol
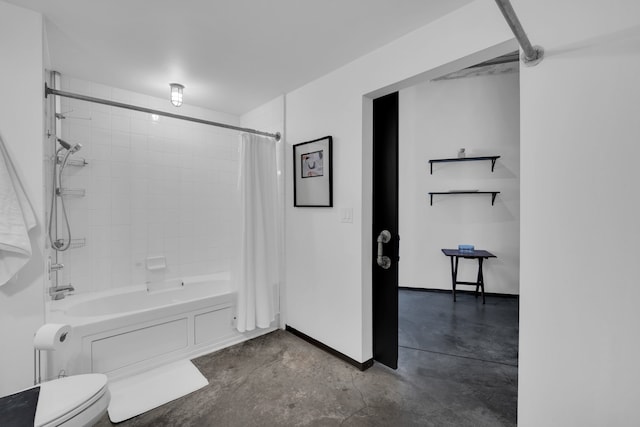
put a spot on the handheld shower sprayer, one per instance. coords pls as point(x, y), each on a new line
point(71, 148)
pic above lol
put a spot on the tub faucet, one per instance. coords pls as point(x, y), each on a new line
point(59, 292)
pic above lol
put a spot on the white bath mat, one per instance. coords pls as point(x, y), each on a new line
point(140, 393)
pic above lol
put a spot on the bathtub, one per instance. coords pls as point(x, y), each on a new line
point(127, 330)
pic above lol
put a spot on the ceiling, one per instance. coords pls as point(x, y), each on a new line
point(232, 55)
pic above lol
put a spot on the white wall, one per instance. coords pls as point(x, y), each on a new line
point(21, 128)
point(437, 118)
point(328, 269)
point(579, 316)
point(153, 188)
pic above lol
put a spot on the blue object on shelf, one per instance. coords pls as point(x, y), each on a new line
point(466, 248)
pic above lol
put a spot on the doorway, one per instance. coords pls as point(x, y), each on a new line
point(477, 109)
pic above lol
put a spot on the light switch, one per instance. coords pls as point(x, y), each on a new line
point(346, 215)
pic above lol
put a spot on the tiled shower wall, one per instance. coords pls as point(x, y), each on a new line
point(154, 187)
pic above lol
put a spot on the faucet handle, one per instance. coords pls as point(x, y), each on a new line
point(56, 267)
point(53, 267)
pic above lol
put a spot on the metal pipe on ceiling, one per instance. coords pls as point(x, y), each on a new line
point(532, 54)
point(49, 91)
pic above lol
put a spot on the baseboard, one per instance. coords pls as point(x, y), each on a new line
point(360, 365)
point(458, 291)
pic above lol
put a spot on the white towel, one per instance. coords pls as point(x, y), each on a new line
point(16, 219)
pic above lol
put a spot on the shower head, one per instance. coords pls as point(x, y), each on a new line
point(75, 148)
point(72, 148)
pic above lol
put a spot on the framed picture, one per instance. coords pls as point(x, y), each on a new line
point(313, 173)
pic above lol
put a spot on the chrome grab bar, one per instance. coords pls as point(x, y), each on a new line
point(383, 261)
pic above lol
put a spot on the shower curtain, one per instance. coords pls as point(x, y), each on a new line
point(257, 274)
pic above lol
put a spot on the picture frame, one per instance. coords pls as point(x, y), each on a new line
point(313, 173)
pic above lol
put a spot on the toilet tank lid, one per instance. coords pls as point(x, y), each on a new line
point(61, 396)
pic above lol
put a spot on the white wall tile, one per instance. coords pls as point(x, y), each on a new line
point(100, 218)
point(120, 95)
point(121, 212)
point(76, 85)
point(80, 132)
point(140, 126)
point(98, 248)
point(120, 138)
point(101, 120)
point(120, 124)
point(99, 136)
point(153, 188)
point(120, 233)
point(155, 244)
point(99, 90)
point(97, 201)
point(101, 151)
point(101, 276)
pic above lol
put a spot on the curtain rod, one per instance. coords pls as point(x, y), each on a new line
point(49, 91)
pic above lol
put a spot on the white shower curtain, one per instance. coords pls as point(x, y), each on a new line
point(257, 273)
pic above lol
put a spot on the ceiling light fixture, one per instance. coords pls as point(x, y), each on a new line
point(176, 94)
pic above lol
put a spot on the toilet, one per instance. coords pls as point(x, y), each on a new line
point(78, 400)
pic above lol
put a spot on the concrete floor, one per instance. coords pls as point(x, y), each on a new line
point(457, 367)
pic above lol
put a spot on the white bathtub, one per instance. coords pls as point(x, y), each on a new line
point(139, 299)
point(129, 330)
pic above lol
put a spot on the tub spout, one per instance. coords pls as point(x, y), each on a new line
point(59, 292)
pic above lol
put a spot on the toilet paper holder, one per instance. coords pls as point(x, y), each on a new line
point(48, 337)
